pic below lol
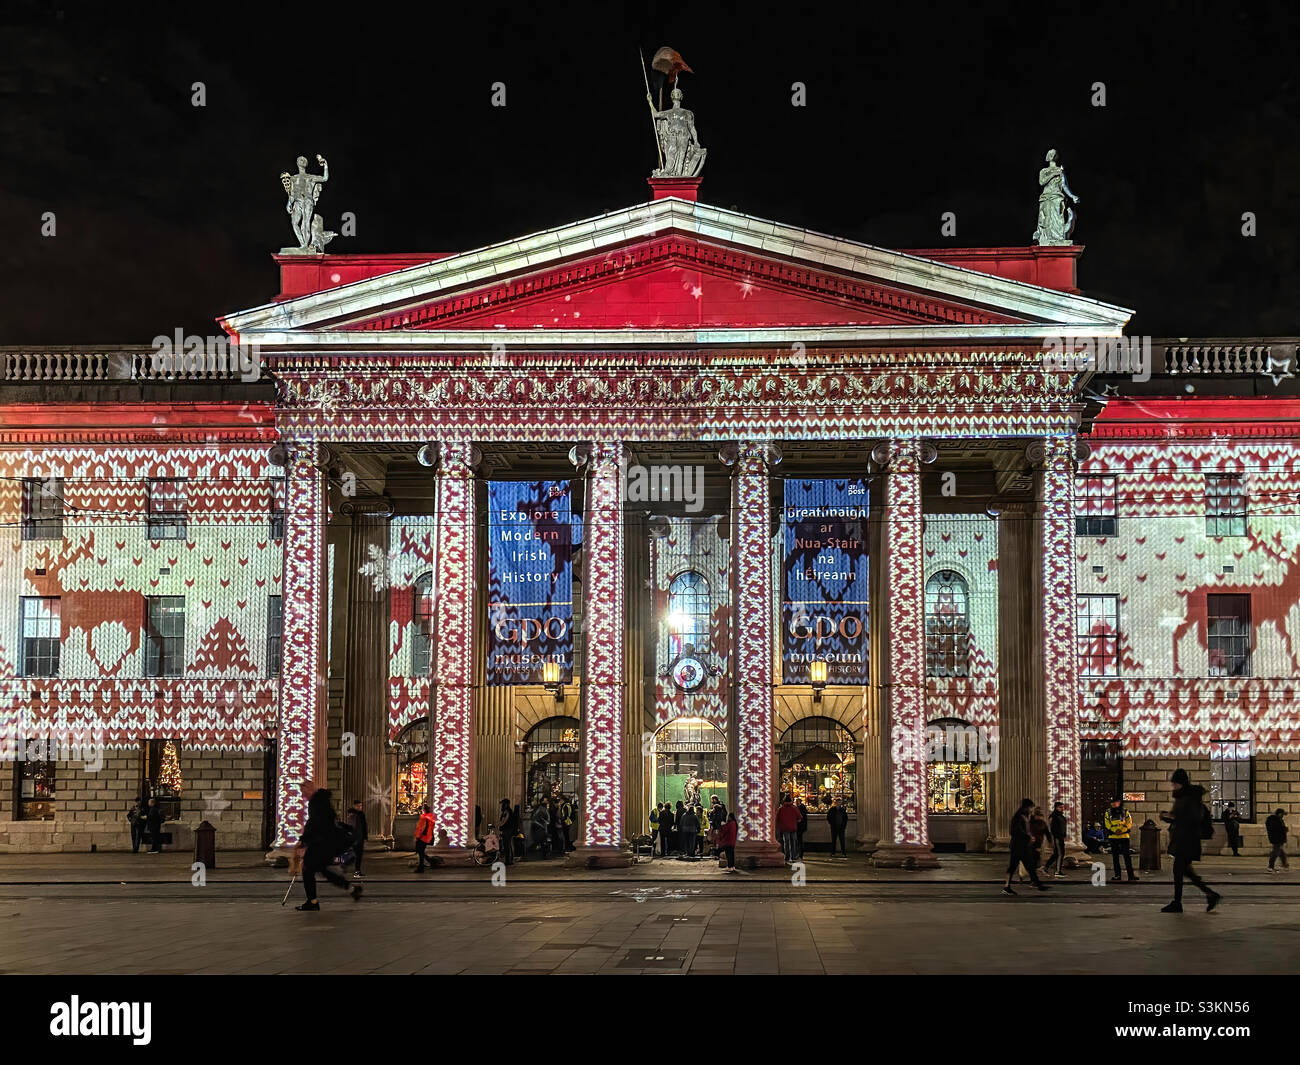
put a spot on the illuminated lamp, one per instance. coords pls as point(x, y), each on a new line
point(552, 680)
point(818, 673)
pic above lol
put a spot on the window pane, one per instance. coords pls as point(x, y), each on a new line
point(1225, 505)
point(947, 625)
point(689, 613)
point(165, 636)
point(42, 509)
point(1230, 776)
point(1229, 635)
point(274, 633)
point(167, 510)
point(41, 635)
point(1097, 632)
point(1095, 507)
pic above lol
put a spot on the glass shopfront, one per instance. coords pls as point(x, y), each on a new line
point(553, 766)
point(412, 767)
point(690, 762)
point(956, 788)
point(818, 764)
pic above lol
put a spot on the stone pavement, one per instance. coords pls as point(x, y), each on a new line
point(115, 914)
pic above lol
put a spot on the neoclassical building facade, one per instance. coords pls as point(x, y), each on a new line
point(672, 500)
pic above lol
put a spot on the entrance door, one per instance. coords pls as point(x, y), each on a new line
point(1101, 778)
point(268, 795)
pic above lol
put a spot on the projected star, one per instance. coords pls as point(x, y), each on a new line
point(1279, 369)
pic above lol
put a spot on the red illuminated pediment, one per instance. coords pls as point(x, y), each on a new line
point(676, 282)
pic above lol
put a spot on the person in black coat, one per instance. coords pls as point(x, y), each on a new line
point(666, 822)
point(1276, 829)
point(154, 823)
point(507, 828)
point(803, 825)
point(838, 819)
point(1232, 826)
point(138, 817)
point(323, 842)
point(1020, 848)
point(1185, 822)
point(1058, 825)
point(360, 833)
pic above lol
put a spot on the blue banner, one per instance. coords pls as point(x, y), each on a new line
point(530, 580)
point(824, 590)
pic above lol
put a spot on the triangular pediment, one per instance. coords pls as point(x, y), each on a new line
point(673, 269)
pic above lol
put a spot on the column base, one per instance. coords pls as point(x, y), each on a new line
point(759, 854)
point(279, 857)
point(605, 856)
point(449, 855)
point(866, 844)
point(904, 856)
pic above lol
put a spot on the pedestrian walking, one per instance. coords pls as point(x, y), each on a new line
point(324, 839)
point(666, 822)
point(1119, 827)
point(727, 841)
point(1275, 826)
point(1058, 824)
point(1020, 852)
point(154, 824)
point(423, 837)
point(1038, 833)
point(1189, 823)
point(1232, 826)
point(787, 823)
point(838, 819)
point(689, 826)
point(360, 833)
point(541, 829)
point(803, 825)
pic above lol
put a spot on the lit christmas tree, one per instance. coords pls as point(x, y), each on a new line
point(169, 775)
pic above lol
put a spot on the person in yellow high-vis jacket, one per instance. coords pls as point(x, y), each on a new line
point(1119, 826)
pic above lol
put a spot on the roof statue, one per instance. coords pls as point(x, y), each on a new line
point(303, 190)
point(1055, 217)
point(680, 154)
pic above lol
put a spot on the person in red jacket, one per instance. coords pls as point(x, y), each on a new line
point(727, 841)
point(423, 837)
point(787, 824)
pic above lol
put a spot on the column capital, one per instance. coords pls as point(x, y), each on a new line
point(747, 454)
point(457, 458)
point(904, 454)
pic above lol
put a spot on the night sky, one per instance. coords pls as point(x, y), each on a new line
point(167, 214)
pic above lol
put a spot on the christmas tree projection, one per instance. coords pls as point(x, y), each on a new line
point(223, 651)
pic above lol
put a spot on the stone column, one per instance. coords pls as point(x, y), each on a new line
point(905, 833)
point(1022, 765)
point(367, 765)
point(875, 797)
point(603, 688)
point(1058, 609)
point(300, 751)
point(451, 735)
point(750, 726)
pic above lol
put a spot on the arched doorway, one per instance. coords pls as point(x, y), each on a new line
point(958, 816)
point(553, 747)
point(690, 758)
point(818, 760)
point(412, 746)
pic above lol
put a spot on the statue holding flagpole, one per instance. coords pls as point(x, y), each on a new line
point(680, 154)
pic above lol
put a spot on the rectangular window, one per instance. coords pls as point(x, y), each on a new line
point(167, 510)
point(164, 650)
point(276, 518)
point(274, 633)
point(160, 776)
point(1097, 630)
point(34, 791)
point(1231, 770)
point(41, 634)
point(1228, 618)
point(1095, 506)
point(1225, 505)
point(43, 509)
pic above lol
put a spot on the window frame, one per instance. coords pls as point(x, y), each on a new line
point(1227, 513)
point(162, 523)
point(42, 521)
point(1096, 512)
point(422, 625)
point(696, 596)
point(1248, 635)
point(55, 616)
point(1087, 637)
point(21, 804)
point(166, 644)
point(1219, 797)
point(274, 635)
point(955, 664)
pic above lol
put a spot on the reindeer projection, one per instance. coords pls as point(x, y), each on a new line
point(85, 607)
point(1270, 602)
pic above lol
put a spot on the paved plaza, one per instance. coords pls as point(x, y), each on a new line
point(124, 914)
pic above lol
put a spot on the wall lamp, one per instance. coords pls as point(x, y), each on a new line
point(818, 673)
point(553, 680)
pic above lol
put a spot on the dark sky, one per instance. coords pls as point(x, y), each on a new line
point(167, 214)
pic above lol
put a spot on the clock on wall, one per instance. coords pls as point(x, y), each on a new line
point(687, 672)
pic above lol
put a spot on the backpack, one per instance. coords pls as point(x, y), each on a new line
point(1207, 823)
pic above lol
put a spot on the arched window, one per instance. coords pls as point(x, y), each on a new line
point(690, 757)
point(818, 763)
point(947, 625)
point(412, 766)
point(956, 756)
point(422, 615)
point(689, 613)
point(553, 751)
